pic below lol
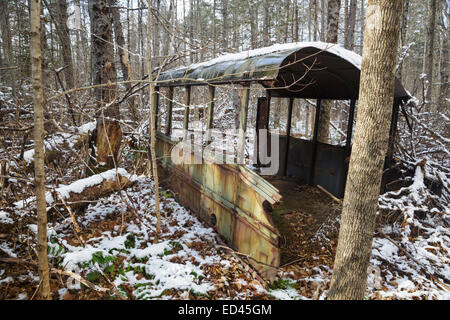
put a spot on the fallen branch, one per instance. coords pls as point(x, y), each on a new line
point(74, 221)
point(80, 279)
point(329, 194)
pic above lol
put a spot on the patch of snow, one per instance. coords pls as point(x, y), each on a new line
point(286, 294)
point(87, 127)
point(22, 296)
point(5, 248)
point(6, 280)
point(4, 217)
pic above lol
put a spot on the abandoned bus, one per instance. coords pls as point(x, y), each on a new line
point(268, 85)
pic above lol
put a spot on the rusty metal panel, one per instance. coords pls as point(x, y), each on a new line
point(330, 164)
point(230, 199)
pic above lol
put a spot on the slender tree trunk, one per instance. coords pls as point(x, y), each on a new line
point(141, 40)
point(295, 24)
point(266, 30)
point(403, 30)
point(7, 44)
point(346, 14)
point(225, 24)
point(315, 18)
point(444, 65)
point(369, 150)
point(286, 21)
point(153, 97)
point(214, 28)
point(404, 22)
point(333, 20)
point(429, 47)
point(109, 133)
point(39, 170)
point(310, 20)
point(66, 48)
point(253, 12)
point(350, 30)
point(332, 37)
point(444, 61)
point(156, 36)
point(363, 15)
point(323, 25)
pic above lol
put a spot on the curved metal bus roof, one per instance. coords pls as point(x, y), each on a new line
point(314, 70)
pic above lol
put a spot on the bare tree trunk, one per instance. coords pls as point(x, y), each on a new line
point(369, 150)
point(214, 8)
point(123, 56)
point(362, 13)
point(429, 47)
point(333, 20)
point(404, 22)
point(7, 44)
point(141, 39)
point(332, 37)
point(403, 30)
point(39, 170)
point(64, 37)
point(266, 17)
point(225, 24)
point(350, 30)
point(346, 14)
point(315, 18)
point(309, 20)
point(286, 21)
point(295, 24)
point(156, 36)
point(323, 25)
point(109, 133)
point(253, 12)
point(444, 61)
point(153, 97)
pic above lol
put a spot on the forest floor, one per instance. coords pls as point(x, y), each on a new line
point(115, 255)
point(121, 261)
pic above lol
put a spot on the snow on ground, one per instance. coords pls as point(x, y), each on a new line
point(158, 262)
point(187, 263)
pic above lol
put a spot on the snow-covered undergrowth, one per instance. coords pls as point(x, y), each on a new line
point(120, 253)
point(131, 259)
point(422, 268)
point(410, 253)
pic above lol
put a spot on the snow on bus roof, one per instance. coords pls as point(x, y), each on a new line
point(336, 49)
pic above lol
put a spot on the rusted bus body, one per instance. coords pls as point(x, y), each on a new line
point(230, 198)
point(236, 201)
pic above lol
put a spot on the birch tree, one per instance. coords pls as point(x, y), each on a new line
point(369, 149)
